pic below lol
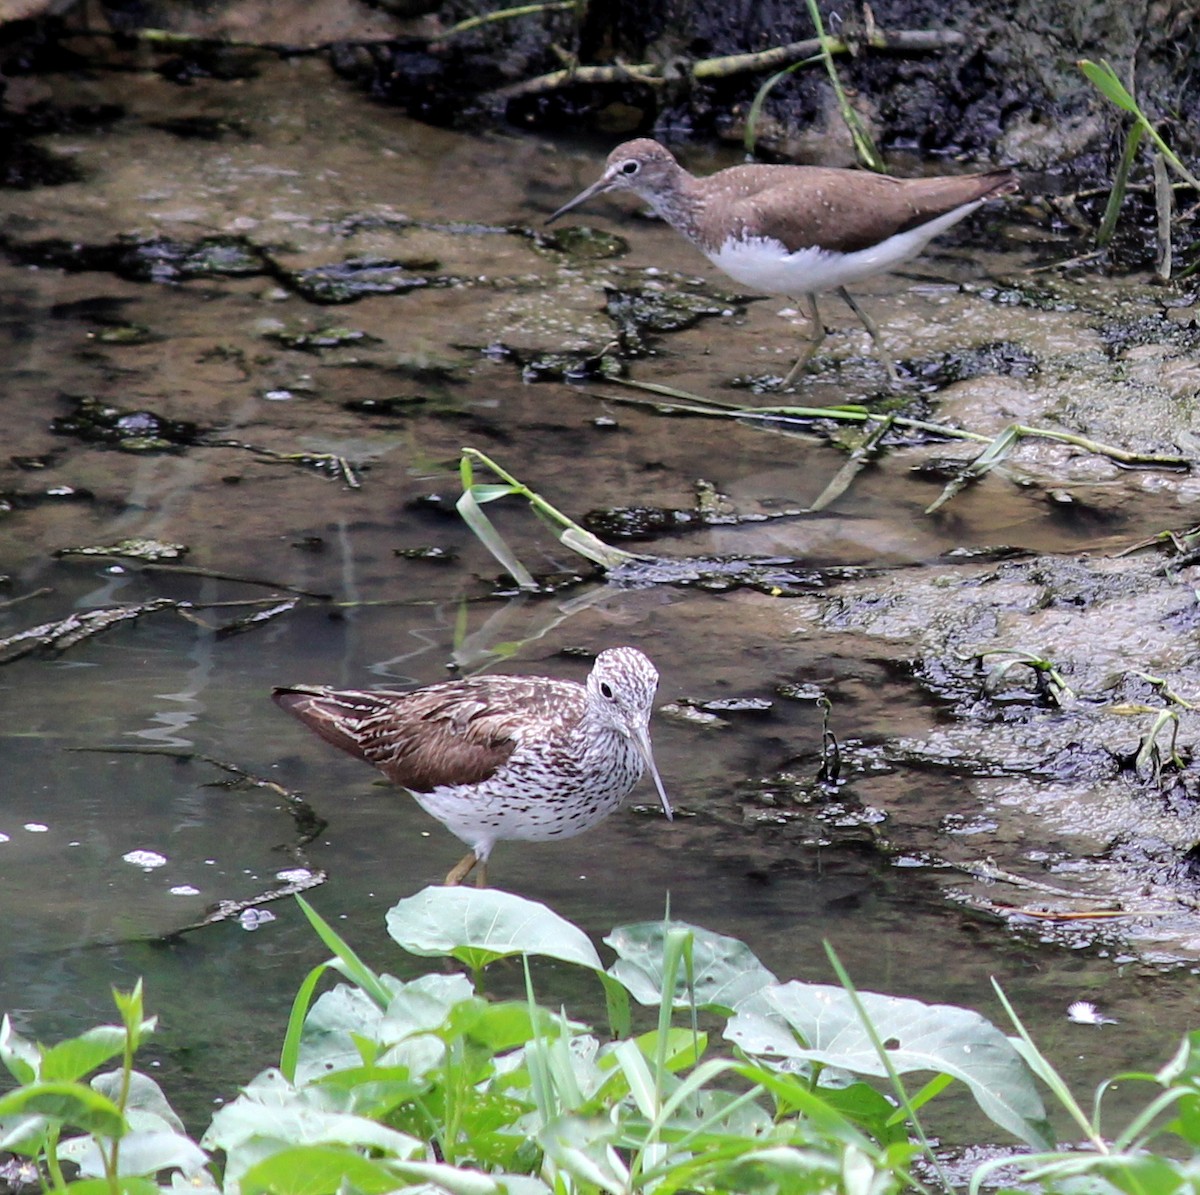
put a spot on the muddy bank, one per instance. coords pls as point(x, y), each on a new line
point(996, 83)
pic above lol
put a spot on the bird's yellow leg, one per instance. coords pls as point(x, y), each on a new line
point(873, 331)
point(816, 335)
point(461, 870)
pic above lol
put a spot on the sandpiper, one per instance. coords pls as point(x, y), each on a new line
point(501, 757)
point(798, 230)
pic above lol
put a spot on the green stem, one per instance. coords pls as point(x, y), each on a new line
point(52, 1163)
point(863, 143)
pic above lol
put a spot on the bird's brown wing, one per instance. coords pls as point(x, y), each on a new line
point(849, 210)
point(457, 733)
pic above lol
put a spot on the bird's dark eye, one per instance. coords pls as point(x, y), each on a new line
point(630, 167)
point(606, 689)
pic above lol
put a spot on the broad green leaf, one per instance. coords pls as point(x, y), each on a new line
point(335, 1023)
point(141, 1153)
point(942, 1038)
point(71, 1103)
point(424, 1005)
point(726, 970)
point(500, 1026)
point(683, 1048)
point(373, 1091)
point(479, 925)
point(78, 1056)
point(18, 1054)
point(753, 1169)
point(317, 1170)
point(303, 1123)
point(129, 1184)
point(23, 1134)
point(582, 1147)
point(838, 1113)
point(616, 1000)
point(144, 1095)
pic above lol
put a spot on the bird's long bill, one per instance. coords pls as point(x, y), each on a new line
point(583, 196)
point(641, 738)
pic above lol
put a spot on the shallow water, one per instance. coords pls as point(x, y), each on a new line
point(78, 802)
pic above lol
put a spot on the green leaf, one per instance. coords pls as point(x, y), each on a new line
point(78, 1056)
point(616, 999)
point(424, 1005)
point(770, 1170)
point(681, 1049)
point(141, 1153)
point(1104, 79)
point(24, 1135)
point(726, 970)
point(290, 1053)
point(125, 1185)
point(70, 1103)
point(500, 1026)
point(131, 1007)
point(992, 455)
point(317, 1170)
point(483, 493)
point(838, 1113)
point(349, 963)
point(303, 1120)
point(143, 1098)
point(479, 925)
point(19, 1055)
point(942, 1038)
point(485, 531)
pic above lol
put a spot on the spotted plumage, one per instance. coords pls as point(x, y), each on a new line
point(501, 757)
point(797, 230)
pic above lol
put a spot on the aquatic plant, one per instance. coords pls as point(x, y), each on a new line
point(426, 1085)
point(1104, 78)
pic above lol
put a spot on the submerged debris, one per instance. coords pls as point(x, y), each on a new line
point(97, 422)
point(581, 243)
point(148, 259)
point(315, 340)
point(134, 549)
point(360, 277)
point(641, 312)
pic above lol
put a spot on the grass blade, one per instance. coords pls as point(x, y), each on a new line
point(348, 962)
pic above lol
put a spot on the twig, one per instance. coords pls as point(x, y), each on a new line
point(26, 597)
point(507, 14)
point(694, 404)
point(308, 822)
point(905, 41)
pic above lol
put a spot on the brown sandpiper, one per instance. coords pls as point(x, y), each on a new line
point(498, 758)
point(798, 230)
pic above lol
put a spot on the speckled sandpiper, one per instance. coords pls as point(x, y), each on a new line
point(798, 230)
point(501, 757)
